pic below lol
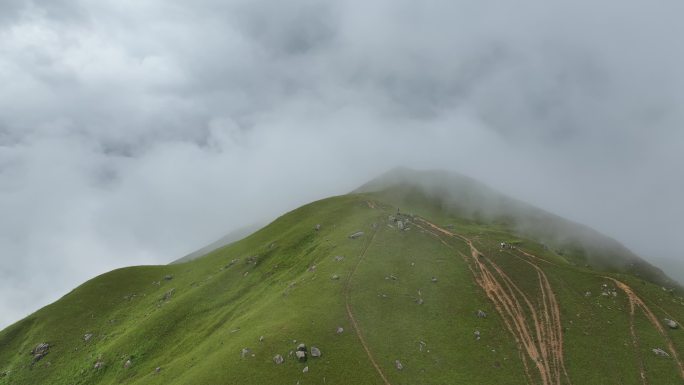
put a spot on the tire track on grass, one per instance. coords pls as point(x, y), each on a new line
point(350, 313)
point(537, 331)
point(636, 302)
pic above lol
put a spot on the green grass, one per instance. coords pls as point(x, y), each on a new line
point(218, 308)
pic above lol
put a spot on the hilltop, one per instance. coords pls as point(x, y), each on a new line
point(414, 278)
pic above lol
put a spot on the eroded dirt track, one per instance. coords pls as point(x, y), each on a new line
point(636, 302)
point(536, 329)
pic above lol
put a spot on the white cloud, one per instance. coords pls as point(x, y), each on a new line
point(134, 132)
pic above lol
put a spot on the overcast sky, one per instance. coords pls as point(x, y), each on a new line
point(133, 132)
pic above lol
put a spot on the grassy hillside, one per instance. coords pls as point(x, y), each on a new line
point(396, 305)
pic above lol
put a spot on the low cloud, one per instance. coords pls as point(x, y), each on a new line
point(136, 132)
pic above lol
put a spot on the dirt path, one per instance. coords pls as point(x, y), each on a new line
point(636, 302)
point(536, 329)
point(553, 329)
point(350, 313)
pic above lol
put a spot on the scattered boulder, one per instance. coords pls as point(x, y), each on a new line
point(335, 277)
point(477, 335)
point(356, 235)
point(99, 364)
point(40, 351)
point(87, 337)
point(301, 355)
point(168, 277)
point(157, 369)
point(338, 258)
point(421, 345)
point(315, 352)
point(278, 359)
point(301, 347)
point(587, 294)
point(419, 301)
point(318, 227)
point(398, 365)
point(481, 314)
point(671, 324)
point(434, 279)
point(400, 225)
point(339, 330)
point(660, 352)
point(305, 370)
point(128, 364)
point(245, 352)
point(312, 268)
point(167, 296)
point(261, 339)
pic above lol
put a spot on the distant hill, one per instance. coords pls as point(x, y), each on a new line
point(226, 240)
point(415, 278)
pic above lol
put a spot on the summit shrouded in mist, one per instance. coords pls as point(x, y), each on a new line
point(166, 134)
point(417, 276)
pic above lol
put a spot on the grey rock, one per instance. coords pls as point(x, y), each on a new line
point(434, 279)
point(278, 359)
point(301, 355)
point(398, 365)
point(128, 364)
point(481, 314)
point(339, 258)
point(419, 301)
point(157, 369)
point(671, 324)
point(301, 347)
point(305, 370)
point(356, 235)
point(167, 296)
point(245, 352)
point(660, 352)
point(318, 227)
point(261, 339)
point(335, 277)
point(87, 337)
point(40, 351)
point(339, 330)
point(98, 365)
point(477, 335)
point(168, 277)
point(315, 352)
point(400, 225)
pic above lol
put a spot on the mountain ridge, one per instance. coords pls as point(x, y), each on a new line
point(421, 293)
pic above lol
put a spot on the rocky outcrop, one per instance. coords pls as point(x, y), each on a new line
point(40, 351)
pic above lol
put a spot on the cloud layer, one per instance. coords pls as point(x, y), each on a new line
point(135, 132)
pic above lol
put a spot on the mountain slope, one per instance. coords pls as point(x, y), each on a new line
point(407, 297)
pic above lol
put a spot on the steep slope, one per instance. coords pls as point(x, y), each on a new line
point(410, 296)
point(468, 198)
